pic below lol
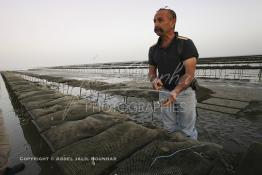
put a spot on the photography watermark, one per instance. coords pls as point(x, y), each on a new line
point(92, 159)
point(139, 107)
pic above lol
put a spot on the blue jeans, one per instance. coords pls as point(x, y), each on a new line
point(181, 116)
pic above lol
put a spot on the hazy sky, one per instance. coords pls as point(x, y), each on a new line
point(38, 33)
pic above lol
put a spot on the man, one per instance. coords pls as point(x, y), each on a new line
point(175, 58)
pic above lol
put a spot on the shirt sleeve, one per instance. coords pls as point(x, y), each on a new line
point(150, 57)
point(189, 50)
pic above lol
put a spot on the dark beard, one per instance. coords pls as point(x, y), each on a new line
point(158, 30)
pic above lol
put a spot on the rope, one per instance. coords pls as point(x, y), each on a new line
point(168, 156)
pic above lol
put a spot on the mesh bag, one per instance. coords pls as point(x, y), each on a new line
point(119, 141)
point(73, 131)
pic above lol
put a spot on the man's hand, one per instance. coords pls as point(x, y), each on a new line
point(170, 100)
point(157, 84)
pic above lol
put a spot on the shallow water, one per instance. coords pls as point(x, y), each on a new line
point(24, 139)
point(81, 75)
point(119, 75)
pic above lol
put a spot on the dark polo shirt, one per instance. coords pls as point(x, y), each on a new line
point(169, 61)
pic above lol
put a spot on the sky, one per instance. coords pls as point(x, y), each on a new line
point(42, 33)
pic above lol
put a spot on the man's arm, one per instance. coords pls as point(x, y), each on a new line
point(152, 73)
point(152, 76)
point(184, 81)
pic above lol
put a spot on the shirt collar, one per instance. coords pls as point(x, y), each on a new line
point(159, 39)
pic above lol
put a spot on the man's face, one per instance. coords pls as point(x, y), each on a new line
point(163, 23)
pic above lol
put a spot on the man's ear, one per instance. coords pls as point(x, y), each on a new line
point(173, 23)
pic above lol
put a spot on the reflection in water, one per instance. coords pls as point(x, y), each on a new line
point(25, 140)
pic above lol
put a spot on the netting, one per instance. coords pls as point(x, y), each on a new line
point(119, 141)
point(72, 112)
point(73, 131)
